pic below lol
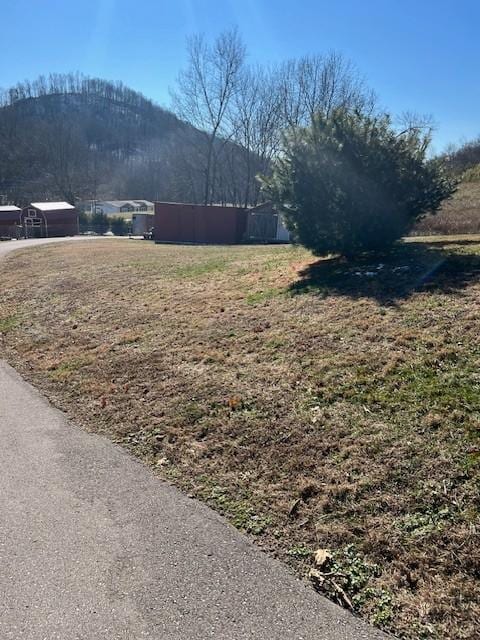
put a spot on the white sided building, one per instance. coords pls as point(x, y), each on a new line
point(121, 207)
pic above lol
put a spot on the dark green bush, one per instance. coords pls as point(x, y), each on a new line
point(118, 226)
point(351, 183)
point(99, 222)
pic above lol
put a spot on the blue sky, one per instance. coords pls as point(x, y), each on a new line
point(421, 55)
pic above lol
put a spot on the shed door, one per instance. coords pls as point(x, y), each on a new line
point(262, 226)
point(34, 225)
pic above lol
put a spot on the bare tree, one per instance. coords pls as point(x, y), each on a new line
point(318, 83)
point(411, 120)
point(205, 90)
point(269, 101)
point(256, 126)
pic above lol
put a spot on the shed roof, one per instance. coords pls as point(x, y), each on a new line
point(122, 203)
point(264, 207)
point(114, 203)
point(9, 207)
point(52, 206)
point(215, 205)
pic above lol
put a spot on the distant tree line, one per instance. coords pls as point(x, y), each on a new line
point(463, 157)
point(72, 137)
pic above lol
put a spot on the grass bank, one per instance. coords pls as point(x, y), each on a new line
point(317, 404)
point(460, 214)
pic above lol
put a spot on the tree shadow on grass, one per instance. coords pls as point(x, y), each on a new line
point(395, 276)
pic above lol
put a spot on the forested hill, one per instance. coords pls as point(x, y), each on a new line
point(71, 137)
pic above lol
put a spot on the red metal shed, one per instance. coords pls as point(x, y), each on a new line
point(203, 224)
point(9, 220)
point(49, 220)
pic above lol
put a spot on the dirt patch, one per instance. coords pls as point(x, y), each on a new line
point(317, 404)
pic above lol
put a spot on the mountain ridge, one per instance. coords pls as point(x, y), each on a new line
point(74, 138)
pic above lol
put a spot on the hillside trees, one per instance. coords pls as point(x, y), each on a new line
point(75, 138)
point(71, 137)
point(464, 157)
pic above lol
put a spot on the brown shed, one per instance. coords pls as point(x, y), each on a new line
point(49, 220)
point(9, 221)
point(203, 224)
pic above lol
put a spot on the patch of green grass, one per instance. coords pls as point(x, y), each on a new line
point(318, 290)
point(300, 551)
point(65, 369)
point(348, 577)
point(191, 412)
point(129, 339)
point(261, 296)
point(472, 461)
point(199, 269)
point(239, 512)
point(412, 387)
point(9, 323)
point(380, 602)
point(419, 525)
point(276, 343)
point(357, 571)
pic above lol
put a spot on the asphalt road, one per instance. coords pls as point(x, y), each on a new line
point(93, 546)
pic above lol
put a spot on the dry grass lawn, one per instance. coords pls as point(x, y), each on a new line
point(317, 405)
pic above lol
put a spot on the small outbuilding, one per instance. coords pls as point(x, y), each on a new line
point(202, 224)
point(9, 221)
point(142, 223)
point(49, 220)
point(265, 224)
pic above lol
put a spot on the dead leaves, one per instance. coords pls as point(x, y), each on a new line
point(234, 403)
point(321, 574)
point(322, 557)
